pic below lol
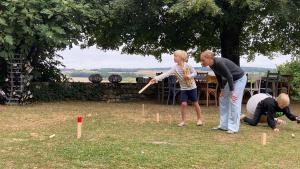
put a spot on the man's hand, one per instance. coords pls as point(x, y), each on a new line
point(276, 129)
point(221, 93)
point(233, 97)
point(152, 81)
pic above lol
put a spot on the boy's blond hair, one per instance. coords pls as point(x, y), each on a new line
point(183, 54)
point(283, 99)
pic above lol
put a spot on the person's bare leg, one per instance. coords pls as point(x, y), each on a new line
point(199, 113)
point(183, 107)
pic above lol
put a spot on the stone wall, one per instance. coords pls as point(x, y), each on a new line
point(126, 92)
point(88, 91)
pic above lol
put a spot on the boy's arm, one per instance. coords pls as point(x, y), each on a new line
point(289, 115)
point(166, 74)
point(271, 118)
point(193, 73)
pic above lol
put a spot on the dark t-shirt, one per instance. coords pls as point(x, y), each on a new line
point(272, 110)
point(226, 71)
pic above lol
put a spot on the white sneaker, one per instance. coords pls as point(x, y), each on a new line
point(199, 123)
point(181, 124)
point(230, 132)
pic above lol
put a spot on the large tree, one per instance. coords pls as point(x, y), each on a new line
point(36, 29)
point(230, 27)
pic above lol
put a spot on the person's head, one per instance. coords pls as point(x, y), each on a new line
point(283, 100)
point(180, 56)
point(207, 58)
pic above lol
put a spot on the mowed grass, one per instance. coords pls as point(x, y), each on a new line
point(117, 135)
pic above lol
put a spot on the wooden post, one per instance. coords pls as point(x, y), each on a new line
point(157, 117)
point(53, 135)
point(143, 110)
point(170, 119)
point(264, 139)
point(79, 125)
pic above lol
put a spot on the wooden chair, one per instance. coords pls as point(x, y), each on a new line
point(173, 89)
point(255, 83)
point(285, 84)
point(273, 78)
point(162, 89)
point(200, 80)
point(211, 89)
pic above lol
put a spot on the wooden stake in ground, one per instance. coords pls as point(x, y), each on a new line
point(157, 117)
point(144, 88)
point(79, 125)
point(143, 110)
point(143, 113)
point(170, 119)
point(53, 135)
point(264, 139)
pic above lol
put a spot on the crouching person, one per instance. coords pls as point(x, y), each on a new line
point(272, 108)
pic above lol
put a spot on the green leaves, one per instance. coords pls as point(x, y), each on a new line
point(36, 29)
point(3, 22)
point(292, 68)
point(151, 26)
point(47, 12)
point(58, 30)
point(187, 7)
point(254, 4)
point(156, 27)
point(9, 39)
point(40, 25)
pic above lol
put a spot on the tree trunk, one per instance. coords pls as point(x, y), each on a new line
point(3, 71)
point(230, 43)
point(231, 26)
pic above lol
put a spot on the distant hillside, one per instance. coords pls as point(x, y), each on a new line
point(257, 69)
point(105, 72)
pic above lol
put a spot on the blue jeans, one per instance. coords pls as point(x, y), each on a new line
point(230, 111)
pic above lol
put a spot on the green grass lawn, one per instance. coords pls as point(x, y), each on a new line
point(117, 135)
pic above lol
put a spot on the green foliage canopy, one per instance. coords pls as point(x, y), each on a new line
point(36, 29)
point(292, 68)
point(45, 25)
point(231, 27)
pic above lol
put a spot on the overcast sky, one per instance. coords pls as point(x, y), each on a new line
point(93, 58)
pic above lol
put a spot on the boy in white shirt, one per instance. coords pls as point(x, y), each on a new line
point(185, 75)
